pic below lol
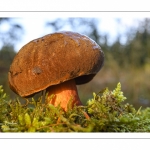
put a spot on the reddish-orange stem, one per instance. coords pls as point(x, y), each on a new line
point(63, 93)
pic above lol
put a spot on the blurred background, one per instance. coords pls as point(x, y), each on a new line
point(125, 44)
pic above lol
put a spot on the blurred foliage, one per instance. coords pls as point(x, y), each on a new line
point(7, 54)
point(105, 112)
point(10, 33)
point(128, 63)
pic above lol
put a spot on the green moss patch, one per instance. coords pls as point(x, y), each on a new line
point(105, 112)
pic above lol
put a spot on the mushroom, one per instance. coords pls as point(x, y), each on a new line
point(56, 62)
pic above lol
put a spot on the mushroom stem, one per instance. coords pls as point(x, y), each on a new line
point(63, 93)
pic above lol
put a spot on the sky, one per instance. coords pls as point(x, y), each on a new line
point(35, 27)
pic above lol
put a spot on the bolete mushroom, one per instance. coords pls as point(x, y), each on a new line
point(56, 62)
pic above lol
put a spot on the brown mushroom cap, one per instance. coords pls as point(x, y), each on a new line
point(53, 59)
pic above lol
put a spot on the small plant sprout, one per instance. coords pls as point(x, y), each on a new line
point(118, 94)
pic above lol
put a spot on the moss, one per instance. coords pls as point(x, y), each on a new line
point(105, 112)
